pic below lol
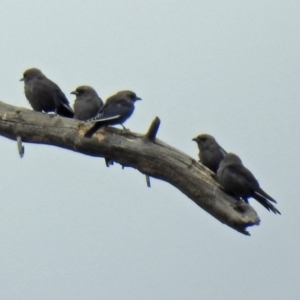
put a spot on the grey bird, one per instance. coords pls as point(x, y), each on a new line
point(87, 103)
point(116, 110)
point(44, 95)
point(238, 181)
point(210, 152)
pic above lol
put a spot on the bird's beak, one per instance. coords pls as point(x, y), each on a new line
point(74, 93)
point(194, 139)
point(138, 98)
point(22, 79)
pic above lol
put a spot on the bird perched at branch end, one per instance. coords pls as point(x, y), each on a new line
point(238, 181)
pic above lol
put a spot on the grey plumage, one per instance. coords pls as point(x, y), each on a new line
point(44, 95)
point(210, 152)
point(87, 103)
point(116, 110)
point(238, 181)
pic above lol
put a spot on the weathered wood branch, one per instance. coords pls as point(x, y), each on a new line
point(145, 153)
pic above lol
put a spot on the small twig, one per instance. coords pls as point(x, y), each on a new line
point(148, 181)
point(21, 148)
point(151, 134)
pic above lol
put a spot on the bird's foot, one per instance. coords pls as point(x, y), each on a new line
point(51, 115)
point(125, 130)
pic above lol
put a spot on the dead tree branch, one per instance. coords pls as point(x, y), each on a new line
point(145, 153)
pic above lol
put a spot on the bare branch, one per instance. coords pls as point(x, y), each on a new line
point(150, 156)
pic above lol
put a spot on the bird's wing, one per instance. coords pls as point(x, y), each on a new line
point(48, 84)
point(253, 183)
point(222, 151)
point(242, 175)
point(245, 177)
point(63, 105)
point(113, 111)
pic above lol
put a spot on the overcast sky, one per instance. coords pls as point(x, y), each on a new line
point(70, 228)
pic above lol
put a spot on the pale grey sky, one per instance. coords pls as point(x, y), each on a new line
point(72, 229)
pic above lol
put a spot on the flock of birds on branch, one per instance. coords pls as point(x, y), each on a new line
point(45, 96)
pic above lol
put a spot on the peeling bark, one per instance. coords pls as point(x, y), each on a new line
point(145, 153)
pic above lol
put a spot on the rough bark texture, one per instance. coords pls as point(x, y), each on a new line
point(145, 153)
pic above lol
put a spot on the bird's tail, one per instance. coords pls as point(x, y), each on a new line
point(264, 202)
point(65, 111)
point(93, 129)
point(262, 193)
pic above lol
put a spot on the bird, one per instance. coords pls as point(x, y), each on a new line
point(238, 181)
point(116, 110)
point(87, 103)
point(210, 152)
point(44, 95)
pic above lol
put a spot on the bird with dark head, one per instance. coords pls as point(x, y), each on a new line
point(210, 152)
point(116, 110)
point(238, 181)
point(44, 95)
point(87, 103)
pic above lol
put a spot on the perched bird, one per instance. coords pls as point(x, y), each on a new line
point(44, 95)
point(210, 152)
point(87, 103)
point(116, 110)
point(238, 181)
